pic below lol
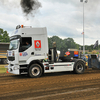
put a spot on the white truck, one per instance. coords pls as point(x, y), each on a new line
point(28, 50)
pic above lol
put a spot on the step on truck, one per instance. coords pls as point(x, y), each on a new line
point(29, 54)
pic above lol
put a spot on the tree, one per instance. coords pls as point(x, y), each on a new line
point(63, 44)
point(1, 31)
point(3, 36)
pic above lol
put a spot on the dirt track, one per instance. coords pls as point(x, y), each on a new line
point(55, 86)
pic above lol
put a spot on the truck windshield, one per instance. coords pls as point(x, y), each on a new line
point(13, 45)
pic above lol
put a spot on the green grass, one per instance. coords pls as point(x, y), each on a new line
point(3, 69)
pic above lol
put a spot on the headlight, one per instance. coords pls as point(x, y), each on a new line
point(15, 67)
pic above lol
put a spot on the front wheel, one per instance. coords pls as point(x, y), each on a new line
point(79, 67)
point(35, 70)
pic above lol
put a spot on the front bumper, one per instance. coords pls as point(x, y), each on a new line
point(14, 69)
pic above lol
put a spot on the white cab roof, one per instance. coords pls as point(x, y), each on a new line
point(29, 31)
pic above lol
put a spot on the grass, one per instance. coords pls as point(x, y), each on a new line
point(3, 69)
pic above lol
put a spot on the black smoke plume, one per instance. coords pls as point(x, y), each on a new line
point(30, 6)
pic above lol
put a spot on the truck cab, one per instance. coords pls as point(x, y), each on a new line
point(27, 44)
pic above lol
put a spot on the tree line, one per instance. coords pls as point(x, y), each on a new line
point(68, 43)
point(63, 44)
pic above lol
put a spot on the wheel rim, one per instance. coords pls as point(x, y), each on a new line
point(35, 71)
point(80, 67)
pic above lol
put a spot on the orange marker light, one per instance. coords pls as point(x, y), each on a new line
point(22, 26)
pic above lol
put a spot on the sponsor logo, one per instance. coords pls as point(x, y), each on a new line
point(10, 53)
point(16, 32)
point(37, 44)
point(37, 54)
point(23, 54)
point(20, 54)
point(67, 53)
point(75, 53)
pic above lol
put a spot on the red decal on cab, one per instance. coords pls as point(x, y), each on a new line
point(20, 54)
point(37, 43)
point(67, 53)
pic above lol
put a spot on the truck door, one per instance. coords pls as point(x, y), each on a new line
point(25, 49)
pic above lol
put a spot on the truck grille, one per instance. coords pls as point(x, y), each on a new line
point(11, 58)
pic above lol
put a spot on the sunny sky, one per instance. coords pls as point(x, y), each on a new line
point(63, 18)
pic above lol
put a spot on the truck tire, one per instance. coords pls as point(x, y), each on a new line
point(35, 71)
point(79, 67)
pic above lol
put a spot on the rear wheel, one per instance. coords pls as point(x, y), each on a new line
point(79, 67)
point(35, 70)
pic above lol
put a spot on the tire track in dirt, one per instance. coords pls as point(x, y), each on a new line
point(18, 87)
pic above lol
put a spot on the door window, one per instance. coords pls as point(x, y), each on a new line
point(25, 43)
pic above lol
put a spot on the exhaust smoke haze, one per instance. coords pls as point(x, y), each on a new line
point(30, 6)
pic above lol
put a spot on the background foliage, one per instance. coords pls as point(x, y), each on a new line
point(63, 44)
point(68, 43)
point(3, 36)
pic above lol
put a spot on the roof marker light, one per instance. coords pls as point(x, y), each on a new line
point(22, 26)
